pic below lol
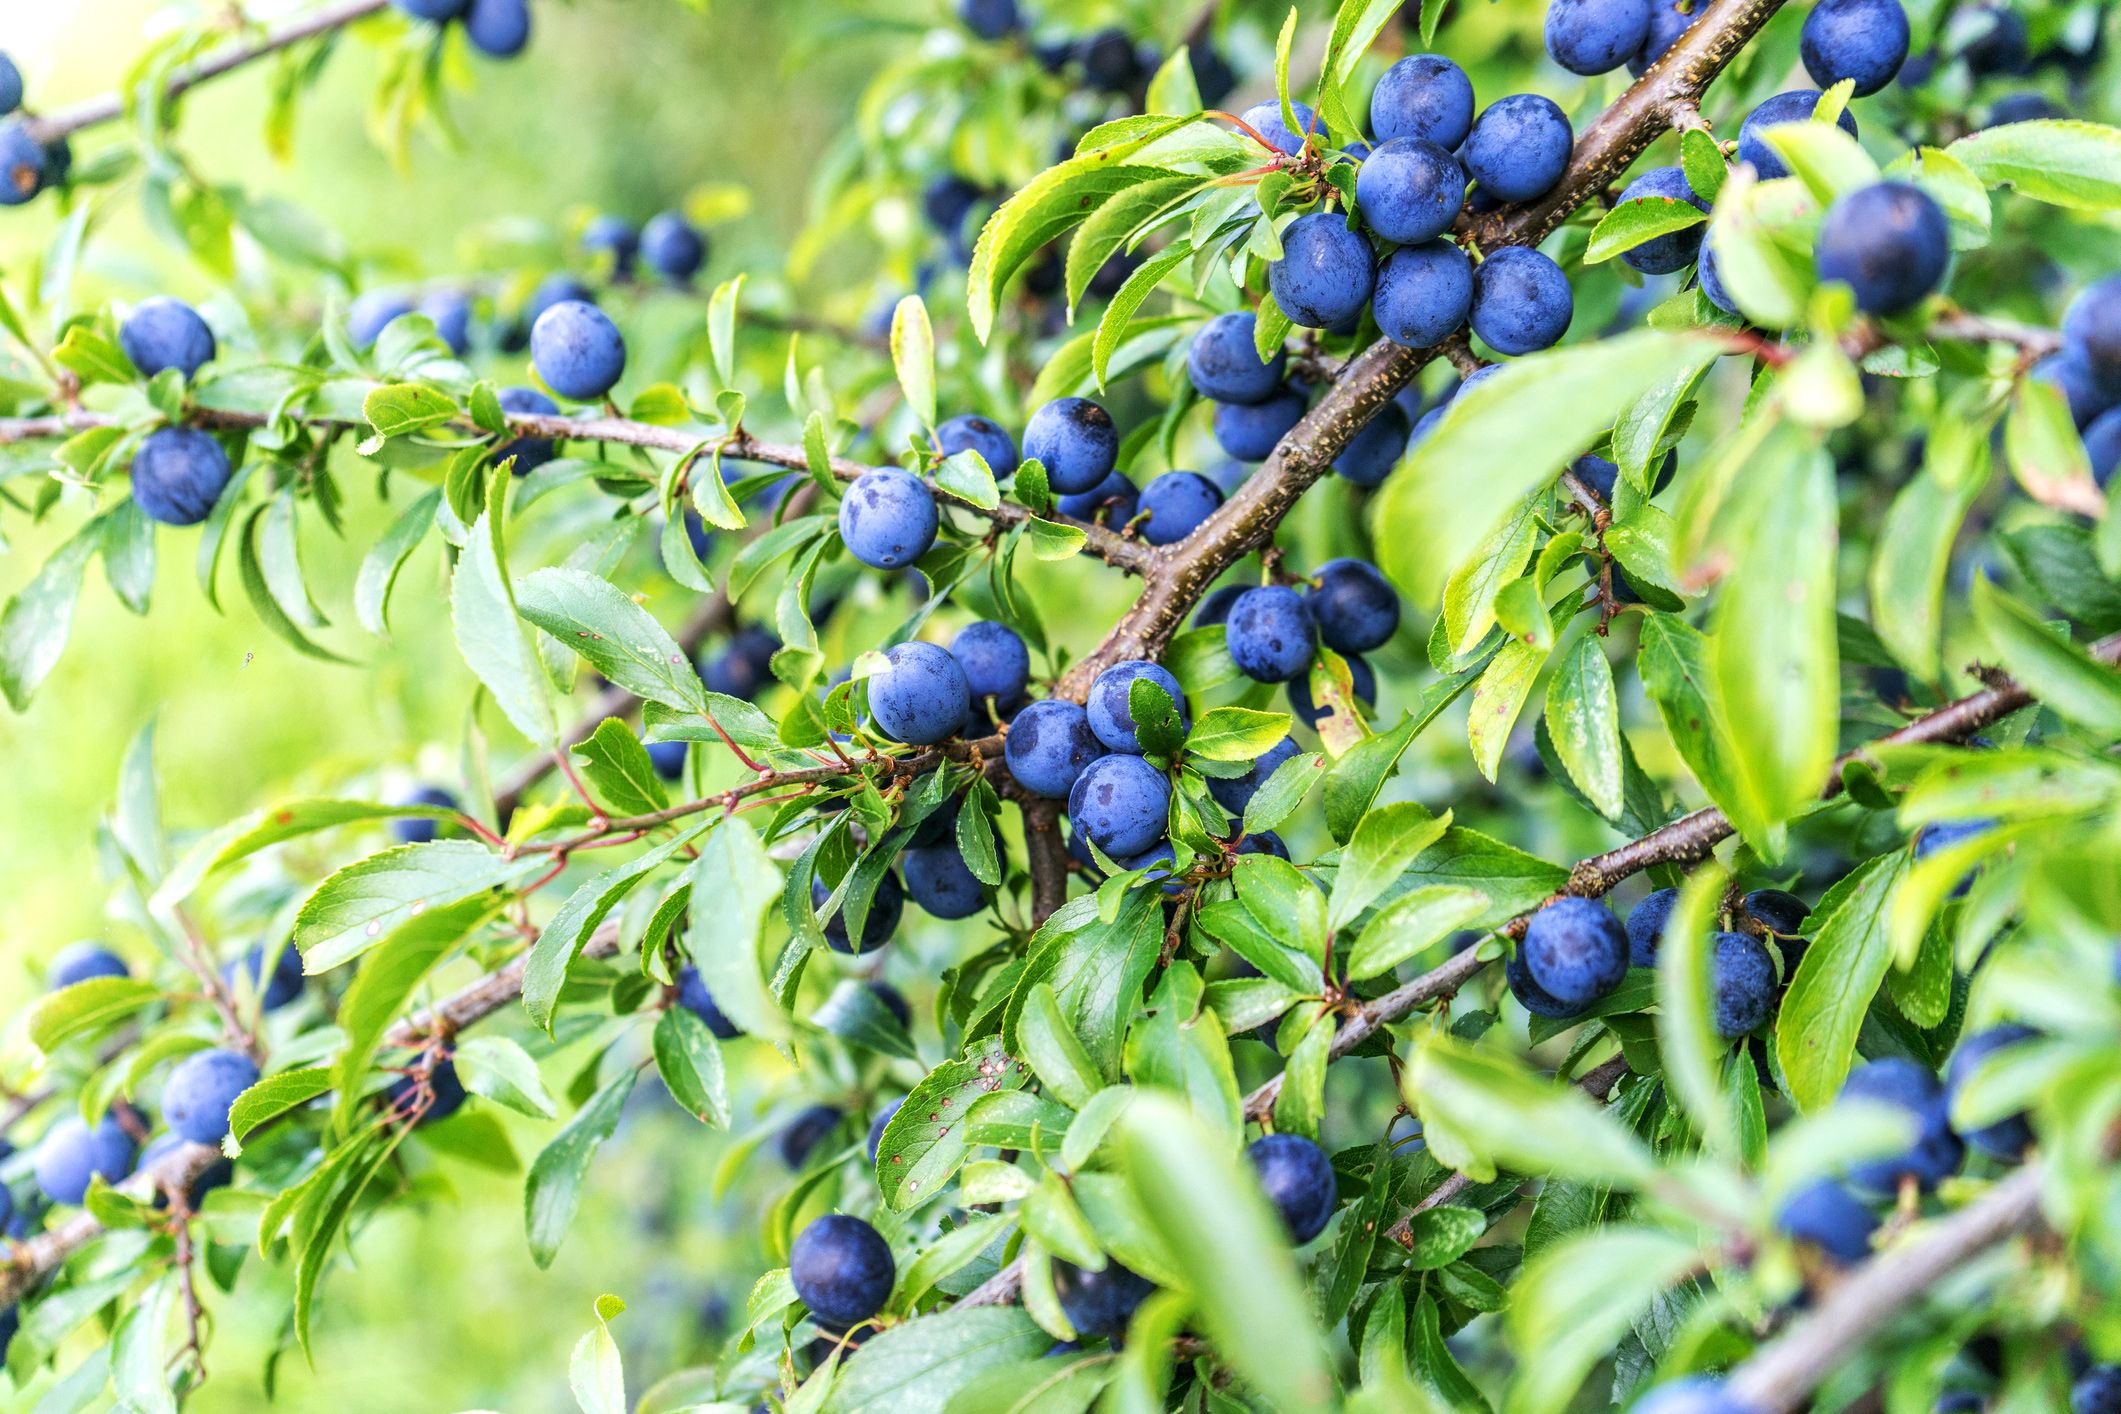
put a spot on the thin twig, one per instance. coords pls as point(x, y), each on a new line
point(1779, 1377)
point(742, 446)
point(111, 106)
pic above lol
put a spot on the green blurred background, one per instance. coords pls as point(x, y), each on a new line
point(622, 105)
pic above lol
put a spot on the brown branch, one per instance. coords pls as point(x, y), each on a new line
point(1106, 545)
point(1178, 575)
point(33, 1260)
point(1779, 1377)
point(111, 106)
point(1048, 857)
point(1686, 840)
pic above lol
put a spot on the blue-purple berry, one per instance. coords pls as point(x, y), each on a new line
point(888, 518)
point(1048, 746)
point(1424, 294)
point(1325, 273)
point(920, 696)
point(1174, 505)
point(1075, 440)
point(166, 333)
point(577, 350)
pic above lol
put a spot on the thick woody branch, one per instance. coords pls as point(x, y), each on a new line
point(1179, 575)
point(1779, 1377)
point(111, 106)
point(1112, 548)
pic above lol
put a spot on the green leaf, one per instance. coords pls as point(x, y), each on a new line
point(1110, 228)
point(1233, 924)
point(1772, 646)
point(721, 329)
point(139, 1352)
point(1470, 596)
point(364, 904)
point(1096, 968)
point(502, 1071)
point(280, 561)
point(1687, 1042)
point(1632, 222)
point(619, 770)
point(913, 356)
point(1119, 312)
point(554, 1188)
point(615, 635)
point(1768, 280)
point(1053, 1051)
point(1577, 1298)
point(272, 1097)
point(1498, 697)
point(400, 409)
point(563, 937)
point(1283, 792)
point(1206, 1207)
point(1236, 733)
point(2078, 687)
point(380, 566)
point(1052, 541)
point(689, 1059)
point(1673, 660)
point(922, 1363)
point(594, 1371)
point(1410, 925)
point(93, 357)
point(1511, 880)
point(1516, 431)
point(926, 1141)
point(275, 825)
point(274, 594)
point(1481, 1111)
point(129, 554)
point(37, 620)
point(1180, 1046)
point(966, 476)
point(723, 941)
point(1355, 779)
point(1822, 1012)
point(1300, 1104)
point(1383, 845)
point(2058, 161)
point(1827, 160)
point(1583, 717)
point(1356, 25)
point(1914, 545)
point(1437, 1237)
point(383, 986)
point(1283, 901)
point(1043, 208)
point(2046, 454)
point(488, 633)
point(1702, 161)
point(86, 1006)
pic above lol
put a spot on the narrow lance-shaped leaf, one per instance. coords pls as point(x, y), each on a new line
point(489, 635)
point(1772, 646)
point(1686, 1026)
